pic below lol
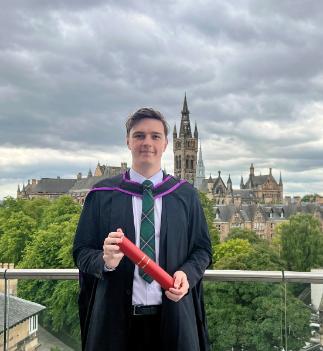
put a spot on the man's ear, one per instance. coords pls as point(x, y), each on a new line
point(127, 141)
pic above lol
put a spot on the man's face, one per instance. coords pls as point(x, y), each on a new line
point(147, 142)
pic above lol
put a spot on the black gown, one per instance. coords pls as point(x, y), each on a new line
point(106, 297)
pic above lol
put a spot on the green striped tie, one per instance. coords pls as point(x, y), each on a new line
point(147, 228)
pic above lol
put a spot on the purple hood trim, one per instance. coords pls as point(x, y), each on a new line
point(124, 178)
point(183, 181)
point(171, 189)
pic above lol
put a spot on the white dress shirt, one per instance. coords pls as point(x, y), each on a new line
point(144, 293)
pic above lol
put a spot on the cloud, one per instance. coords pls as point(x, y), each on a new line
point(72, 71)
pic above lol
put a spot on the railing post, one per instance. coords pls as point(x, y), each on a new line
point(5, 311)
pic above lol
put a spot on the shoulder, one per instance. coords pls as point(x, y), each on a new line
point(185, 190)
point(109, 182)
point(103, 189)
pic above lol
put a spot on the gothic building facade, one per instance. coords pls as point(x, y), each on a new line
point(261, 218)
point(185, 147)
point(258, 189)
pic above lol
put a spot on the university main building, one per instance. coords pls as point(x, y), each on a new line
point(258, 204)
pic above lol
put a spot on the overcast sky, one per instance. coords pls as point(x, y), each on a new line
point(72, 71)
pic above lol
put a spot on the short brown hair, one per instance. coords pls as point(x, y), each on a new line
point(142, 113)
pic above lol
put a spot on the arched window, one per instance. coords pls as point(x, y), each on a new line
point(179, 162)
point(186, 163)
point(192, 165)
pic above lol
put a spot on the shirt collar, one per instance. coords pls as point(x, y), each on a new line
point(137, 177)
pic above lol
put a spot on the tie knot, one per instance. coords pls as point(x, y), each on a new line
point(147, 184)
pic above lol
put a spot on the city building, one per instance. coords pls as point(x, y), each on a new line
point(22, 321)
point(261, 218)
point(52, 188)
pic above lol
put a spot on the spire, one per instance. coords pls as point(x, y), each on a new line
point(252, 170)
point(270, 171)
point(18, 190)
point(200, 169)
point(219, 174)
point(241, 183)
point(185, 129)
point(185, 110)
point(280, 179)
point(196, 134)
point(90, 173)
point(200, 160)
point(175, 131)
point(229, 184)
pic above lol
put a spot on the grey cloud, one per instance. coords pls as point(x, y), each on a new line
point(71, 72)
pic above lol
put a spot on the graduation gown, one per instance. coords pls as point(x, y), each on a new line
point(106, 297)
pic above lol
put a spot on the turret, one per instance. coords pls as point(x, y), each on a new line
point(241, 183)
point(196, 134)
point(229, 184)
point(252, 170)
point(89, 173)
point(175, 132)
point(185, 129)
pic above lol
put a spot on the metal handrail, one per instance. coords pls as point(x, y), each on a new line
point(210, 275)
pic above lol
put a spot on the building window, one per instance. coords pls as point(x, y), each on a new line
point(33, 324)
point(282, 214)
point(192, 165)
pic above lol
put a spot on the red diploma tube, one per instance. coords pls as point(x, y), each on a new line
point(146, 263)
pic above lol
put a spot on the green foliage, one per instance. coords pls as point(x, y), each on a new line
point(309, 198)
point(209, 215)
point(17, 230)
point(241, 233)
point(39, 234)
point(301, 242)
point(231, 253)
point(251, 315)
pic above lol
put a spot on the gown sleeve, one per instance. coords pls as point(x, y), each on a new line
point(87, 248)
point(200, 257)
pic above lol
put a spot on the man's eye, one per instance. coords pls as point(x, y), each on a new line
point(156, 136)
point(139, 136)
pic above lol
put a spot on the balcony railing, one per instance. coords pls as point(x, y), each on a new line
point(210, 275)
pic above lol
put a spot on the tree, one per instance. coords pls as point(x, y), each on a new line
point(309, 197)
point(209, 216)
point(251, 315)
point(301, 242)
point(17, 230)
point(245, 234)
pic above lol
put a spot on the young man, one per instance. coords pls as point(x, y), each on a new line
point(121, 308)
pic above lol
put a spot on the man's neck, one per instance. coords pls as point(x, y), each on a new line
point(146, 172)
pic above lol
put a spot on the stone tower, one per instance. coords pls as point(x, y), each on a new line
point(185, 148)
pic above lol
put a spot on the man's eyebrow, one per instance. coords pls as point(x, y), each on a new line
point(141, 132)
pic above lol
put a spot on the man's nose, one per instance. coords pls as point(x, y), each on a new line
point(148, 139)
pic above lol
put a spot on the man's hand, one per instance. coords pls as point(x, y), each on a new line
point(111, 251)
point(180, 288)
